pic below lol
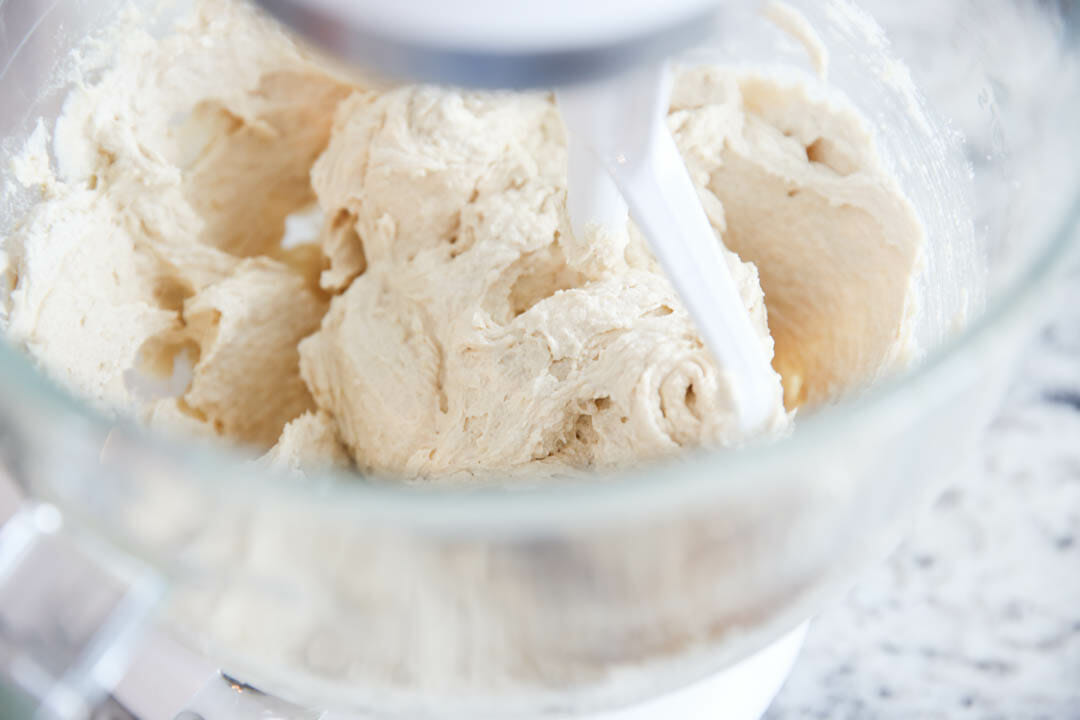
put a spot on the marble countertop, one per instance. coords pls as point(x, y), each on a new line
point(977, 614)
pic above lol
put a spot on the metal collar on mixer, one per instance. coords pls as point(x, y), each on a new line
point(548, 64)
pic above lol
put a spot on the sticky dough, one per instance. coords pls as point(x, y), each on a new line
point(443, 321)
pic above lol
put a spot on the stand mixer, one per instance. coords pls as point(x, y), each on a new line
point(610, 65)
point(777, 532)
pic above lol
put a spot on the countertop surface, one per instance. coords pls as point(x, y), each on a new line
point(977, 614)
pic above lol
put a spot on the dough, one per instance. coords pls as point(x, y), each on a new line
point(443, 322)
point(311, 441)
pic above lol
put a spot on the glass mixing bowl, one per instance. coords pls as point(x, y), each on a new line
point(355, 593)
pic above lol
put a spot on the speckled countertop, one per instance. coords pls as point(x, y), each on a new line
point(977, 615)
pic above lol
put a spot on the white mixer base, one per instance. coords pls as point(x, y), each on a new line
point(742, 692)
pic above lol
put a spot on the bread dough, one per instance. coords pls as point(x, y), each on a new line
point(311, 441)
point(443, 321)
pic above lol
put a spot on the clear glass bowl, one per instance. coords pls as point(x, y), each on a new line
point(354, 593)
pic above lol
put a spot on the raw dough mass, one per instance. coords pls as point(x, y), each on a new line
point(440, 319)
